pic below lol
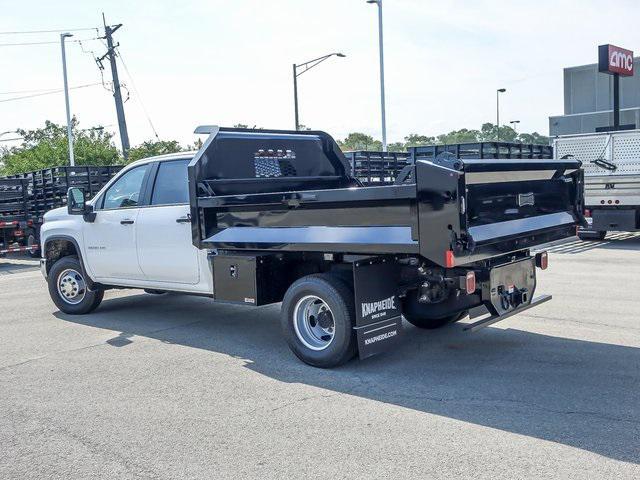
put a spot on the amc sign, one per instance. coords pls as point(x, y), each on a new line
point(612, 60)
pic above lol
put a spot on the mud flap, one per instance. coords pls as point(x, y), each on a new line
point(378, 316)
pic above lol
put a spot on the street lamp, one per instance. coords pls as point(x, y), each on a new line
point(514, 124)
point(63, 36)
point(498, 92)
point(381, 48)
point(306, 66)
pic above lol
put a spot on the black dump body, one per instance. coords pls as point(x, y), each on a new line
point(266, 190)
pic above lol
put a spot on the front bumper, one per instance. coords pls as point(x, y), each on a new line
point(43, 267)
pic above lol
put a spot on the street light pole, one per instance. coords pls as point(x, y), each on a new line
point(381, 48)
point(66, 97)
point(295, 95)
point(306, 66)
point(514, 124)
point(498, 92)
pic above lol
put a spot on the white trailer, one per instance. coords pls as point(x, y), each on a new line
point(611, 163)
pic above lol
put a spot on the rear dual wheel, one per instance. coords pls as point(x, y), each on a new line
point(317, 320)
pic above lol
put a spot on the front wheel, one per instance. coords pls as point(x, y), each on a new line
point(317, 320)
point(68, 287)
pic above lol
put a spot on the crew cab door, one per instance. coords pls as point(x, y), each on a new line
point(110, 240)
point(165, 248)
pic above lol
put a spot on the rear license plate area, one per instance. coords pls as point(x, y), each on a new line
point(509, 286)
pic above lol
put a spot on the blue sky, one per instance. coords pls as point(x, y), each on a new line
point(223, 62)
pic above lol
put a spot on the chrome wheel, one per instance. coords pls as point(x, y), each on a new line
point(313, 323)
point(71, 286)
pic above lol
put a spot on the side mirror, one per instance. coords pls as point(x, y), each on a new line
point(75, 201)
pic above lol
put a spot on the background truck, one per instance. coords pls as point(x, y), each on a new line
point(25, 197)
point(611, 163)
point(264, 216)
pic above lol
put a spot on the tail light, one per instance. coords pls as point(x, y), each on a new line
point(542, 260)
point(470, 282)
point(449, 259)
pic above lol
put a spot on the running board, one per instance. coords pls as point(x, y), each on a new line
point(491, 319)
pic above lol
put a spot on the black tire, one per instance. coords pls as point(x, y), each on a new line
point(72, 269)
point(30, 241)
point(417, 314)
point(592, 236)
point(335, 294)
point(151, 291)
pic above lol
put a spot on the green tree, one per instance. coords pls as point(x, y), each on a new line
point(463, 135)
point(534, 137)
point(415, 140)
point(151, 148)
point(48, 147)
point(360, 141)
point(489, 133)
point(396, 147)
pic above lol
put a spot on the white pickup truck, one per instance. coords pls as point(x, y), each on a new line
point(124, 245)
point(257, 217)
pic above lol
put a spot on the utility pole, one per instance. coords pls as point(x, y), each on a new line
point(64, 36)
point(117, 95)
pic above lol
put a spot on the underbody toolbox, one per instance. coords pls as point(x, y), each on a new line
point(252, 279)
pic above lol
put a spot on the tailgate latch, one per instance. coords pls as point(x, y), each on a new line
point(526, 199)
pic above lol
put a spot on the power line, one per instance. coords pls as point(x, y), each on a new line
point(46, 93)
point(94, 61)
point(51, 31)
point(37, 90)
point(20, 44)
point(135, 90)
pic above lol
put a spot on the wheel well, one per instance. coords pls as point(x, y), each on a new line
point(56, 249)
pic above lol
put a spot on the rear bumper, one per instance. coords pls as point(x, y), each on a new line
point(603, 219)
point(485, 321)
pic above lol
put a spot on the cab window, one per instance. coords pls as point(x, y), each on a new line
point(126, 191)
point(171, 186)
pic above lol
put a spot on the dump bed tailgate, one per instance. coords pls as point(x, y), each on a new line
point(474, 209)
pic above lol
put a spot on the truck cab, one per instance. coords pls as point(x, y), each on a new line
point(137, 234)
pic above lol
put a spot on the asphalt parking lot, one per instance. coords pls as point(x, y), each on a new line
point(178, 387)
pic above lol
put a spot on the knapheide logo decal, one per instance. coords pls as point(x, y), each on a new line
point(380, 307)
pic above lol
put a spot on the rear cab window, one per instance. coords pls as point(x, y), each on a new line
point(171, 186)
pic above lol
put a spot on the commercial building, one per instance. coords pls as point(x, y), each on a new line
point(588, 101)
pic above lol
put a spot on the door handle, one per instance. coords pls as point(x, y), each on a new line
point(186, 219)
point(126, 221)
